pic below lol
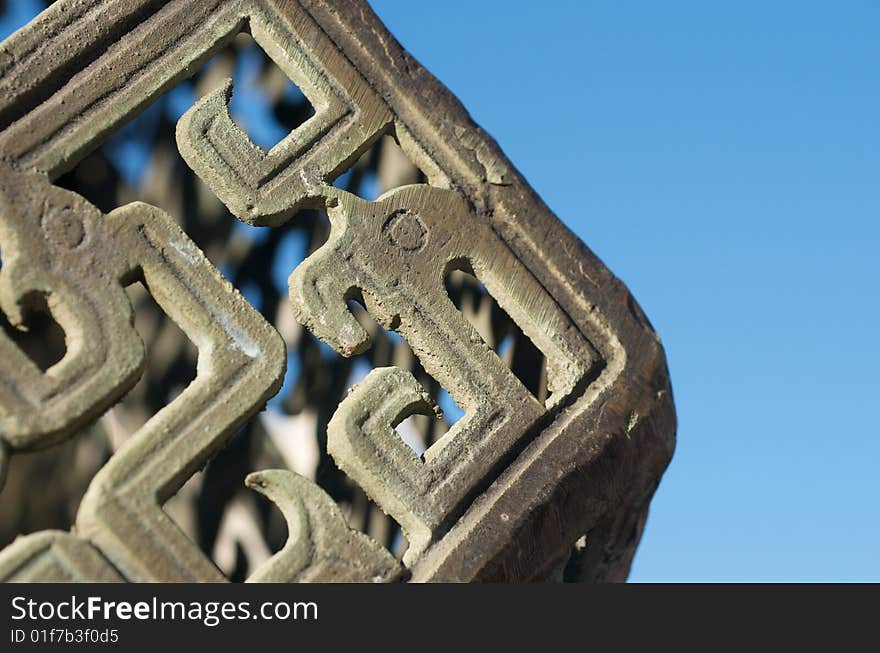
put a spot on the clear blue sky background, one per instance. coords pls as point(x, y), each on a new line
point(723, 160)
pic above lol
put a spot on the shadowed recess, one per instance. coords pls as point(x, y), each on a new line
point(40, 337)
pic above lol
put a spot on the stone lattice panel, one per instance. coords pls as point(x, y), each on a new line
point(522, 487)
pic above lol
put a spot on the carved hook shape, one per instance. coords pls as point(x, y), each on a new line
point(266, 188)
point(362, 441)
point(320, 545)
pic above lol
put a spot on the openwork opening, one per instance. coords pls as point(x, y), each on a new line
point(39, 336)
point(141, 160)
point(171, 359)
point(28, 503)
point(265, 103)
point(418, 431)
point(498, 330)
point(380, 169)
point(388, 348)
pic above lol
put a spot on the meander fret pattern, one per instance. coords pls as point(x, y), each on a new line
point(361, 314)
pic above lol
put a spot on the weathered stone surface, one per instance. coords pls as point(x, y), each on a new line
point(320, 546)
point(504, 495)
point(55, 556)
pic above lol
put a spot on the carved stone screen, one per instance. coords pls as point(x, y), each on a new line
point(254, 243)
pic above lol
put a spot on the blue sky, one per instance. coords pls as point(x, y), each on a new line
point(722, 159)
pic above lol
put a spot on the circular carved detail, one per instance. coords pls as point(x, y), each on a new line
point(63, 226)
point(407, 230)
